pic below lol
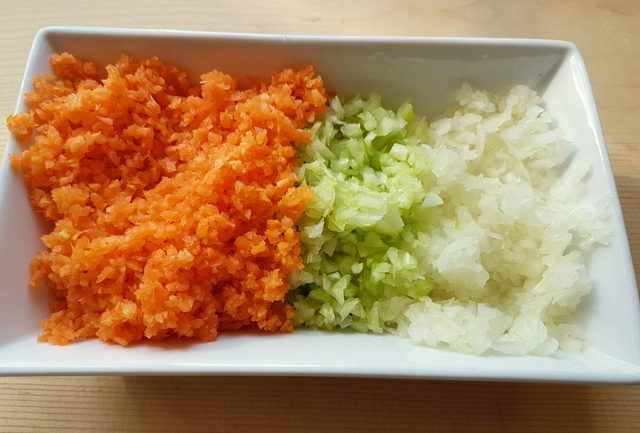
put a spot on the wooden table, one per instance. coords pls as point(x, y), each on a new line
point(607, 32)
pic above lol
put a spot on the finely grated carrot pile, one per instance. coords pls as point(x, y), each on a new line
point(174, 206)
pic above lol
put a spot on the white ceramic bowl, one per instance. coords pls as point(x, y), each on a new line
point(425, 70)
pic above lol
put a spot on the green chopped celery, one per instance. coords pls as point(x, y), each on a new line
point(320, 295)
point(363, 232)
point(351, 130)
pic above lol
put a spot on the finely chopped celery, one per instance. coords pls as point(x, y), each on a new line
point(364, 231)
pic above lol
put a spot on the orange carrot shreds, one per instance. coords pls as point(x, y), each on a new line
point(21, 125)
point(174, 206)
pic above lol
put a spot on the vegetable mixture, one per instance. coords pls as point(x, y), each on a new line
point(182, 210)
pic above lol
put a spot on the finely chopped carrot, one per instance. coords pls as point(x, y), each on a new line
point(174, 206)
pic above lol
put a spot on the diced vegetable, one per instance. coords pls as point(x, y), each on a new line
point(361, 232)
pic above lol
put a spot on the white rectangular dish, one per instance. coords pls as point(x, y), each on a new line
point(423, 70)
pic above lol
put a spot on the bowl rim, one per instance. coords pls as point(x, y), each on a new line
point(294, 37)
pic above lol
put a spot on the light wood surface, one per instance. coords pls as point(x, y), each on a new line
point(607, 33)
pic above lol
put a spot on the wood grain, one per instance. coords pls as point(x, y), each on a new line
point(272, 404)
point(607, 33)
